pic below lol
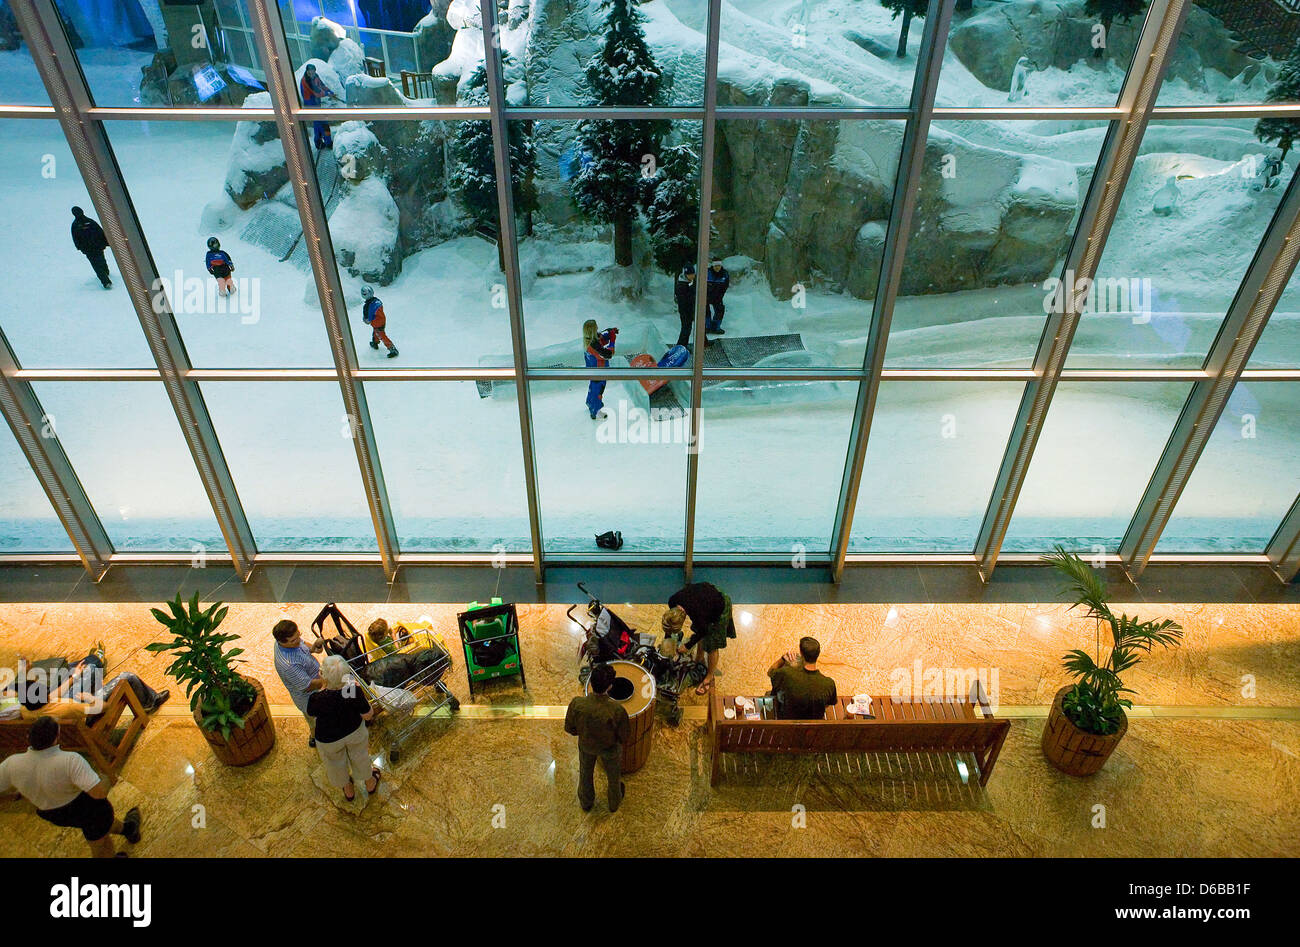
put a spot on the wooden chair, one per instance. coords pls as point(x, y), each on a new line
point(417, 85)
point(375, 68)
point(94, 739)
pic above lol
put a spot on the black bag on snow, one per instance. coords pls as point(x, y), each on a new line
point(610, 539)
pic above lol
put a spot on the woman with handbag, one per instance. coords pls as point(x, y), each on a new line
point(341, 710)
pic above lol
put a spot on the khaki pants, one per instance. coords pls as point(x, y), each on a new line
point(612, 761)
point(352, 752)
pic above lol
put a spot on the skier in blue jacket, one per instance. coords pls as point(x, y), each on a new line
point(599, 349)
point(221, 266)
point(717, 281)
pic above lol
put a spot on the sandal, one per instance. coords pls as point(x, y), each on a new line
point(377, 776)
point(353, 786)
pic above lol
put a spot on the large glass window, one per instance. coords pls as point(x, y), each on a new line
point(123, 440)
point(20, 82)
point(152, 54)
point(1199, 200)
point(998, 206)
point(932, 458)
point(1098, 449)
point(459, 485)
point(71, 319)
point(771, 459)
point(290, 451)
point(1233, 52)
point(1279, 345)
point(625, 471)
point(27, 521)
point(1247, 477)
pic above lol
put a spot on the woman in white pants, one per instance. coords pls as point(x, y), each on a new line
point(341, 710)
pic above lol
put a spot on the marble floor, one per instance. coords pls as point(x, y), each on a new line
point(1210, 765)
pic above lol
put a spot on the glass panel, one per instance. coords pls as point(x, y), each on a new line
point(265, 315)
point(1036, 54)
point(393, 54)
point(164, 54)
point(1279, 345)
point(817, 52)
point(998, 207)
point(123, 440)
point(1233, 51)
point(617, 217)
point(1096, 454)
point(1247, 477)
point(27, 520)
point(625, 472)
point(20, 82)
point(1199, 200)
point(771, 461)
point(299, 482)
point(77, 323)
point(459, 485)
point(932, 458)
point(573, 54)
point(413, 215)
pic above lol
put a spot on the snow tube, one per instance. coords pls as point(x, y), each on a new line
point(647, 361)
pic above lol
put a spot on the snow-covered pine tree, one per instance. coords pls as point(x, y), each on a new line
point(1110, 10)
point(474, 171)
point(909, 9)
point(672, 207)
point(624, 72)
point(1283, 131)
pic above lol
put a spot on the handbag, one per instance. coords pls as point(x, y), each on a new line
point(610, 539)
point(345, 642)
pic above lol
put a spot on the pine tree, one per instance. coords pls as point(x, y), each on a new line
point(672, 207)
point(1110, 10)
point(909, 9)
point(624, 73)
point(474, 172)
point(1283, 131)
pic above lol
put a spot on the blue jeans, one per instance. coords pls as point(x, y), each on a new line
point(595, 397)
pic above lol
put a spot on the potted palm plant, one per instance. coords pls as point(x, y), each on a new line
point(1087, 718)
point(230, 709)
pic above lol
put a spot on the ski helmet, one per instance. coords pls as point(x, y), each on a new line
point(214, 243)
point(366, 292)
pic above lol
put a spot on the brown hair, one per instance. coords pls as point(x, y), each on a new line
point(378, 630)
point(284, 630)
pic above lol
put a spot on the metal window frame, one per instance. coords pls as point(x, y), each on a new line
point(81, 119)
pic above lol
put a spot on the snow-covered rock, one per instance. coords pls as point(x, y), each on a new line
point(433, 35)
point(614, 282)
point(325, 37)
point(256, 166)
point(364, 229)
point(218, 215)
point(348, 59)
point(358, 152)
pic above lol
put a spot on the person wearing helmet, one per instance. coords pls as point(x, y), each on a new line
point(88, 237)
point(314, 93)
point(372, 314)
point(221, 266)
point(684, 293)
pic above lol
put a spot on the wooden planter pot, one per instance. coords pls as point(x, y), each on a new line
point(1076, 751)
point(250, 742)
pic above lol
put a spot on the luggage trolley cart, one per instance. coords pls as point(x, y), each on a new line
point(405, 684)
point(490, 636)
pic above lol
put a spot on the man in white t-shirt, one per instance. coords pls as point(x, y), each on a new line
point(66, 790)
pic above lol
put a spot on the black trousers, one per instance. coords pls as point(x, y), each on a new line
point(714, 312)
point(684, 337)
point(612, 761)
point(100, 266)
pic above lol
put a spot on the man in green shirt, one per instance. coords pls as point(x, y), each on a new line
point(801, 691)
point(602, 727)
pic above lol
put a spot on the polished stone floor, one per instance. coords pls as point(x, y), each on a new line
point(1210, 766)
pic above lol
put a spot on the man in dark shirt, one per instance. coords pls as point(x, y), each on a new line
point(684, 295)
point(801, 692)
point(88, 237)
point(602, 727)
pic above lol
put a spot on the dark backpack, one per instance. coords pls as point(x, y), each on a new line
point(418, 667)
point(346, 641)
point(610, 539)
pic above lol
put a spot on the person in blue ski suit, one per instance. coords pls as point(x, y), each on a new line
point(599, 349)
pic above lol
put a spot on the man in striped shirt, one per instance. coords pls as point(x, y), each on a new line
point(299, 671)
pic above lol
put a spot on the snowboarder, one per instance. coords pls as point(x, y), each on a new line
point(599, 350)
point(88, 237)
point(717, 279)
point(1273, 167)
point(372, 314)
point(221, 266)
point(314, 92)
point(684, 292)
point(1166, 199)
point(1019, 80)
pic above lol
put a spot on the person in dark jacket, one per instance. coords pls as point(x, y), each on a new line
point(314, 93)
point(711, 624)
point(602, 727)
point(684, 293)
point(372, 314)
point(717, 280)
point(599, 350)
point(88, 237)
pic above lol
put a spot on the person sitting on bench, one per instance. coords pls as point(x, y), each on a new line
point(83, 688)
point(801, 691)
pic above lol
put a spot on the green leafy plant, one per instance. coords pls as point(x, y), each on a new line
point(1096, 702)
point(217, 691)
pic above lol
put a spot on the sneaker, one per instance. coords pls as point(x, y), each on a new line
point(600, 415)
point(374, 345)
point(392, 353)
point(131, 826)
point(160, 699)
point(108, 285)
point(311, 742)
point(715, 330)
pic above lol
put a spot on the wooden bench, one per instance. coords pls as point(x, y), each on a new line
point(417, 85)
point(94, 739)
point(901, 725)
